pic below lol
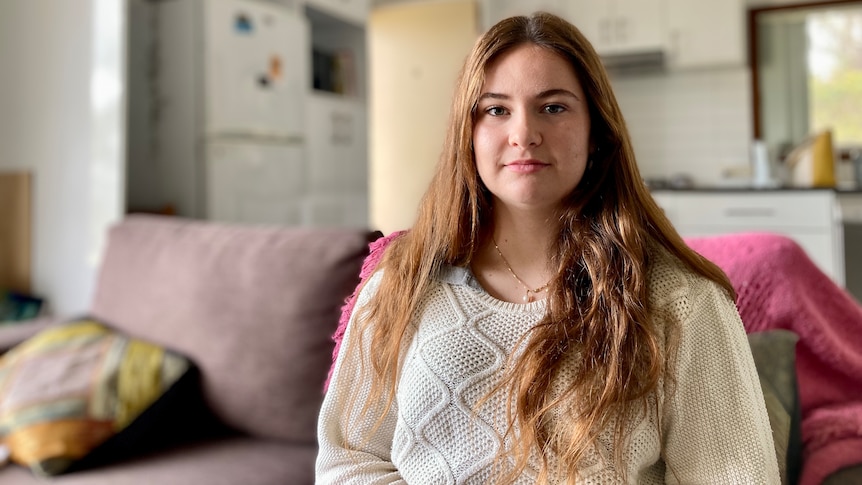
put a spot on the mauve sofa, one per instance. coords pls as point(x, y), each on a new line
point(254, 308)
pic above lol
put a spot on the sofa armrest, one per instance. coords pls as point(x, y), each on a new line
point(15, 333)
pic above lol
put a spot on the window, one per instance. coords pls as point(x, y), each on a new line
point(835, 74)
point(807, 74)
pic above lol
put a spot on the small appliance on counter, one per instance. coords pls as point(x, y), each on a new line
point(812, 162)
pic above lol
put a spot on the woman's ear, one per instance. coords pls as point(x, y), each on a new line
point(591, 148)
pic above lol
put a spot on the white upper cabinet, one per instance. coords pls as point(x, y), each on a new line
point(705, 33)
point(692, 33)
point(492, 11)
point(620, 26)
point(354, 11)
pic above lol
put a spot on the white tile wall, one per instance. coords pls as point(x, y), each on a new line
point(691, 122)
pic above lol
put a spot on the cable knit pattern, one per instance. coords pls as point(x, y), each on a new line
point(710, 426)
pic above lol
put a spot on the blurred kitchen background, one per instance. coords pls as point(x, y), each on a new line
point(746, 115)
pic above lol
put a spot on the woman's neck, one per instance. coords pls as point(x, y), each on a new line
point(513, 263)
point(525, 235)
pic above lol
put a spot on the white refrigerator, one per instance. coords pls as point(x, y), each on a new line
point(230, 84)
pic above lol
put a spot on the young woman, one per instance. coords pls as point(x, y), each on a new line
point(542, 322)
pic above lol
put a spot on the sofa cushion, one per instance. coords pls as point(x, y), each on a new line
point(226, 461)
point(774, 353)
point(254, 307)
point(69, 390)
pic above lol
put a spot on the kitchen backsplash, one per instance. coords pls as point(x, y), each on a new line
point(696, 123)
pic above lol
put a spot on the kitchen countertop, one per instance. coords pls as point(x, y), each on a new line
point(717, 188)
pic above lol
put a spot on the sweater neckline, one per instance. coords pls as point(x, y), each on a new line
point(461, 276)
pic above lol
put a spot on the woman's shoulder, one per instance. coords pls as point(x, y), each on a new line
point(666, 266)
point(673, 285)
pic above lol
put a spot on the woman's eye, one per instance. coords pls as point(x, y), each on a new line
point(496, 111)
point(554, 108)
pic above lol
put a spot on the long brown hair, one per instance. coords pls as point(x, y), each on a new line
point(597, 307)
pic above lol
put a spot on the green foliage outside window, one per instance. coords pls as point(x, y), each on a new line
point(835, 75)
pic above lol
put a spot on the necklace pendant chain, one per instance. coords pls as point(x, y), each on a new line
point(529, 296)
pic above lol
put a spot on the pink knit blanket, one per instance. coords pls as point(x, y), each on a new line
point(376, 252)
point(778, 286)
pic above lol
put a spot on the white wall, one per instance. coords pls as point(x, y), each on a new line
point(61, 117)
point(416, 50)
point(696, 123)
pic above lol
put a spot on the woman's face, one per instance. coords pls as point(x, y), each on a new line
point(532, 129)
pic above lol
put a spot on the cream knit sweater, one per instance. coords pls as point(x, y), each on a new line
point(713, 429)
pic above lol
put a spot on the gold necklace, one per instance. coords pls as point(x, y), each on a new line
point(528, 297)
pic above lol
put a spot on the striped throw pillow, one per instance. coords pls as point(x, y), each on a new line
point(70, 388)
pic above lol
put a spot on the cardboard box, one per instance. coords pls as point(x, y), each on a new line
point(15, 231)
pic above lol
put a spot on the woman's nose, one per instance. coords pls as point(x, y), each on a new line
point(524, 131)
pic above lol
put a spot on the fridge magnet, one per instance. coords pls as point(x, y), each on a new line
point(242, 24)
point(275, 67)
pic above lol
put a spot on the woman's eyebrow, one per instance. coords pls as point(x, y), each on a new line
point(493, 96)
point(544, 94)
point(557, 92)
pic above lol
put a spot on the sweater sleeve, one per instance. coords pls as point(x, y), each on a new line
point(715, 425)
point(351, 449)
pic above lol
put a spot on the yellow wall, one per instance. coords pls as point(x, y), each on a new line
point(416, 50)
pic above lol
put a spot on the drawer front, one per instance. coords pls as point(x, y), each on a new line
point(753, 211)
point(818, 246)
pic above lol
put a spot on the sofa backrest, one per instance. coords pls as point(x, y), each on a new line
point(254, 307)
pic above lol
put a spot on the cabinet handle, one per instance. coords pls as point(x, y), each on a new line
point(750, 212)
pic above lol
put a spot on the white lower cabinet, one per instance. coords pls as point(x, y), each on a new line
point(812, 218)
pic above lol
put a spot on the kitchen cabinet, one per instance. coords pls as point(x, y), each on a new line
point(337, 172)
point(705, 33)
point(620, 26)
point(336, 120)
point(813, 218)
point(612, 26)
point(492, 11)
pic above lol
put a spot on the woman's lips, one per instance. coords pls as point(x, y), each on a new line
point(526, 166)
